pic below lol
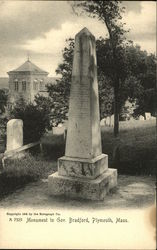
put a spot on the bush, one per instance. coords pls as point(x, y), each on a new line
point(53, 146)
point(3, 100)
point(3, 125)
point(35, 120)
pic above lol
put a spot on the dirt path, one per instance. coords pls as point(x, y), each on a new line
point(132, 192)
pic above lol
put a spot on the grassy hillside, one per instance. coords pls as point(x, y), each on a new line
point(137, 148)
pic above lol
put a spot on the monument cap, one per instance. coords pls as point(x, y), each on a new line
point(85, 32)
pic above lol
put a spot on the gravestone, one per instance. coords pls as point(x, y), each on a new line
point(83, 172)
point(103, 122)
point(112, 121)
point(58, 130)
point(141, 118)
point(14, 134)
point(148, 116)
point(108, 121)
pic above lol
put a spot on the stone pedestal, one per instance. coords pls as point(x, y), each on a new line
point(83, 172)
point(83, 188)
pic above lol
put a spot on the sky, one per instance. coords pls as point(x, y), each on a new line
point(40, 28)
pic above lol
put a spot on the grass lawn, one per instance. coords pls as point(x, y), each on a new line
point(137, 148)
point(18, 172)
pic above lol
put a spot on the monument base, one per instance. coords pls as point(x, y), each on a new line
point(83, 188)
point(83, 168)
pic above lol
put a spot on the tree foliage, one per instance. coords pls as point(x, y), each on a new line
point(132, 86)
point(59, 92)
point(142, 67)
point(3, 101)
point(35, 120)
point(44, 105)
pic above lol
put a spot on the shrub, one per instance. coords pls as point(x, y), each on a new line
point(3, 125)
point(35, 120)
point(53, 146)
point(3, 100)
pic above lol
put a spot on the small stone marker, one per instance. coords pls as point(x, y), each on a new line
point(14, 134)
point(141, 118)
point(60, 125)
point(108, 121)
point(83, 172)
point(148, 116)
point(112, 120)
point(58, 130)
point(103, 122)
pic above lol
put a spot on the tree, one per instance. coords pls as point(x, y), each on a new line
point(35, 120)
point(110, 13)
point(143, 68)
point(106, 96)
point(130, 88)
point(59, 92)
point(105, 64)
point(3, 101)
point(45, 105)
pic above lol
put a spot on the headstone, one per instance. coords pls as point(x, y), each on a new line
point(83, 172)
point(141, 118)
point(112, 121)
point(14, 134)
point(148, 116)
point(58, 130)
point(103, 122)
point(108, 121)
point(60, 125)
point(14, 140)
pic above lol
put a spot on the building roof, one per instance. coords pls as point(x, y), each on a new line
point(28, 66)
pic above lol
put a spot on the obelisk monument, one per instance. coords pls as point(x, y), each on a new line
point(83, 172)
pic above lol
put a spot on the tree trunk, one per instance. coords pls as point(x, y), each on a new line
point(116, 107)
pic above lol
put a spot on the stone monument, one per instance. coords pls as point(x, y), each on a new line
point(14, 134)
point(83, 172)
